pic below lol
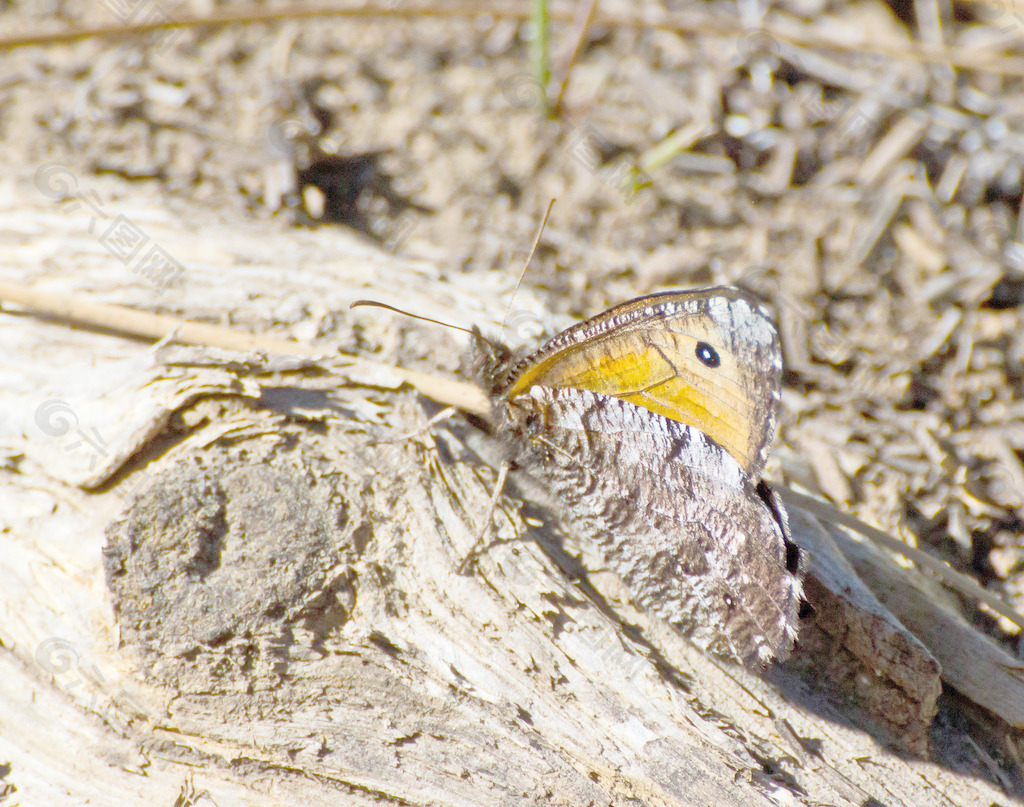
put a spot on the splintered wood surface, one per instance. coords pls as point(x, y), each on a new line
point(241, 565)
point(241, 572)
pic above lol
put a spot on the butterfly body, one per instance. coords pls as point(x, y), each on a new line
point(650, 425)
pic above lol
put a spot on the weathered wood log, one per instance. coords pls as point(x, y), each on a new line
point(239, 573)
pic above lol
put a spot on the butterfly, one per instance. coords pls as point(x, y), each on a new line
point(650, 424)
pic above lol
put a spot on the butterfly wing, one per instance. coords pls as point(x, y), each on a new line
point(707, 359)
point(676, 517)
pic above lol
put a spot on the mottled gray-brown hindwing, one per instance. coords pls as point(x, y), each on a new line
point(675, 516)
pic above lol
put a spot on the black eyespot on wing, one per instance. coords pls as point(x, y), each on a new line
point(708, 355)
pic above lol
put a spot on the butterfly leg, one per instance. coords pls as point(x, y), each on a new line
point(483, 533)
point(440, 417)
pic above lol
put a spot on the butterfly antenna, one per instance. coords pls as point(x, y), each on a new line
point(375, 304)
point(533, 251)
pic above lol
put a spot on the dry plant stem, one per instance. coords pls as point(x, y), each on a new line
point(578, 33)
point(965, 58)
point(143, 325)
